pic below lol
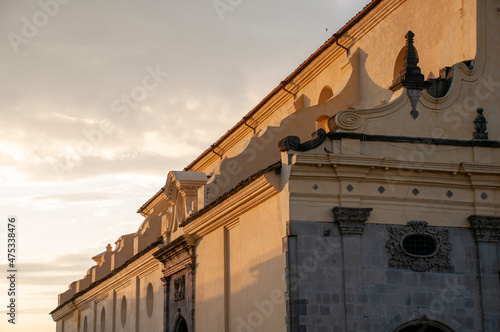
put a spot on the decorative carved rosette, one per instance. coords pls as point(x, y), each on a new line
point(399, 256)
point(485, 228)
point(351, 220)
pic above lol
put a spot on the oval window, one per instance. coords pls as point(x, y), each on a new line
point(419, 245)
point(124, 311)
point(149, 300)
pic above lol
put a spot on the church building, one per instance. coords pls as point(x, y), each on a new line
point(361, 194)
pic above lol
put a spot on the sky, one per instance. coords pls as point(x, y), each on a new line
point(99, 100)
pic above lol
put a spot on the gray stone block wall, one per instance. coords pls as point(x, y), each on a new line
point(387, 296)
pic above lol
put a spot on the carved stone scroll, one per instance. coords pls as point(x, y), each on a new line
point(293, 142)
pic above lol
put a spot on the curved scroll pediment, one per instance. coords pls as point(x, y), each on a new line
point(451, 116)
point(181, 189)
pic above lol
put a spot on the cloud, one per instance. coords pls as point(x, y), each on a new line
point(73, 184)
point(42, 280)
point(72, 198)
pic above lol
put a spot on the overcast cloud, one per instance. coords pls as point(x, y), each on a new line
point(100, 99)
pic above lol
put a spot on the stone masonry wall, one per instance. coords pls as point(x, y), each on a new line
point(325, 296)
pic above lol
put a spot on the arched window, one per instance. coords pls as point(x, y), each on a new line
point(85, 325)
point(180, 325)
point(103, 320)
point(149, 300)
point(426, 325)
point(325, 94)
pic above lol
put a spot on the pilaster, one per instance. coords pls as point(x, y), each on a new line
point(134, 303)
point(166, 307)
point(294, 305)
point(351, 222)
point(486, 231)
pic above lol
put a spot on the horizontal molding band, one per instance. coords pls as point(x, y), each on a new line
point(414, 140)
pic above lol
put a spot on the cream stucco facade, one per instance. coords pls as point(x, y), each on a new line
point(302, 216)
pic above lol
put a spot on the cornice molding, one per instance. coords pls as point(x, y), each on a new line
point(230, 209)
point(387, 164)
point(177, 255)
point(145, 263)
point(157, 198)
point(66, 310)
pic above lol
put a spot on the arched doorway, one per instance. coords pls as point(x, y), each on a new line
point(423, 326)
point(180, 325)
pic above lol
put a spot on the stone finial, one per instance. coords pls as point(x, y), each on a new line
point(109, 247)
point(480, 125)
point(485, 228)
point(351, 220)
point(411, 76)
